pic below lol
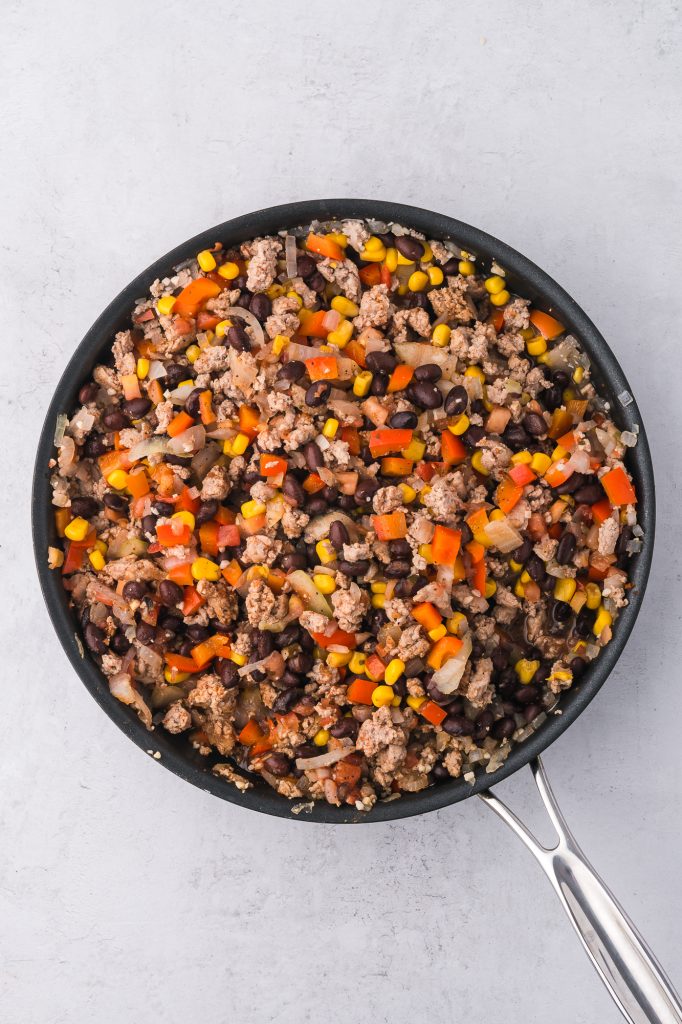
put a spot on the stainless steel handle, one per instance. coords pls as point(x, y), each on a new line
point(624, 962)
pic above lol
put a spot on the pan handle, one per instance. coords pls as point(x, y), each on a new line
point(625, 964)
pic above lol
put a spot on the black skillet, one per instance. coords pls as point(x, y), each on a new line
point(637, 985)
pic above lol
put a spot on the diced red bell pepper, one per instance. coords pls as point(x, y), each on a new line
point(313, 483)
point(215, 646)
point(346, 772)
point(476, 551)
point(356, 351)
point(370, 274)
point(425, 471)
point(322, 368)
point(138, 483)
point(452, 449)
point(384, 441)
point(522, 474)
point(131, 386)
point(170, 534)
point(207, 321)
point(179, 663)
point(194, 295)
point(182, 574)
point(206, 408)
point(432, 712)
point(339, 638)
point(561, 422)
point(401, 376)
point(391, 526)
point(114, 460)
point(556, 475)
point(233, 572)
point(602, 510)
point(228, 536)
point(497, 320)
point(445, 545)
point(375, 668)
point(360, 691)
point(186, 503)
point(386, 276)
point(251, 733)
point(208, 537)
point(192, 600)
point(351, 436)
point(249, 419)
point(393, 466)
point(479, 576)
point(312, 324)
point(272, 465)
point(618, 487)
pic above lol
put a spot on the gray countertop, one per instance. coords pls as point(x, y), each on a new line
point(126, 894)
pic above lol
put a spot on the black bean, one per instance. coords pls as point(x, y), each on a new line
point(316, 506)
point(185, 648)
point(305, 266)
point(293, 491)
point(409, 247)
point(584, 622)
point(417, 300)
point(289, 679)
point(551, 398)
point(313, 456)
point(472, 435)
point(176, 460)
point(577, 667)
point(503, 728)
point(94, 639)
point(561, 612)
point(535, 568)
point(237, 338)
point(207, 510)
point(399, 549)
point(293, 560)
point(523, 553)
point(288, 636)
point(338, 535)
point(293, 370)
point(531, 712)
point(534, 424)
point(174, 374)
point(317, 282)
point(134, 590)
point(229, 676)
point(403, 421)
point(388, 238)
point(300, 663)
point(119, 643)
point(456, 401)
point(148, 524)
point(483, 725)
point(500, 659)
point(458, 725)
point(626, 535)
point(428, 371)
point(307, 750)
point(425, 394)
point(170, 593)
point(192, 402)
point(478, 406)
point(346, 502)
point(115, 419)
point(318, 393)
point(146, 633)
point(358, 568)
point(287, 700)
point(439, 773)
point(566, 548)
point(136, 408)
point(454, 703)
point(163, 508)
point(397, 570)
point(198, 633)
point(515, 437)
point(345, 728)
point(88, 393)
point(589, 494)
point(366, 489)
point(379, 385)
point(385, 362)
point(260, 306)
point(170, 618)
point(526, 694)
point(376, 619)
point(95, 446)
point(507, 682)
point(86, 508)
point(451, 268)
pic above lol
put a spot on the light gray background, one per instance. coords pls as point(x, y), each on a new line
point(125, 894)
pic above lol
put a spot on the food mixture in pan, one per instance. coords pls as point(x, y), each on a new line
point(345, 512)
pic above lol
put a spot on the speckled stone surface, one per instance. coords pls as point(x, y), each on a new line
point(125, 894)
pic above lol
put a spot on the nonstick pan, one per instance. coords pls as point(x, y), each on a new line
point(626, 966)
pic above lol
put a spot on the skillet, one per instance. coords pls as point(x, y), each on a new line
point(627, 967)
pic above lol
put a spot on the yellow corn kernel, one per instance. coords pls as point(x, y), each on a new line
point(602, 620)
point(325, 552)
point(253, 508)
point(340, 239)
point(415, 450)
point(476, 462)
point(330, 427)
point(229, 271)
point(500, 298)
point(441, 336)
point(460, 425)
point(357, 663)
point(97, 560)
point(185, 383)
point(205, 569)
point(378, 587)
point(536, 347)
point(395, 703)
point(456, 623)
point(77, 529)
point(275, 291)
point(564, 589)
point(378, 600)
point(525, 576)
point(428, 253)
point(495, 284)
point(438, 632)
point(118, 479)
point(561, 675)
point(559, 453)
point(403, 261)
point(408, 493)
point(540, 463)
point(475, 371)
point(374, 255)
point(425, 551)
point(435, 275)
point(519, 589)
point(142, 368)
point(336, 659)
point(496, 515)
point(418, 281)
point(569, 395)
point(321, 737)
point(593, 594)
point(279, 343)
point(206, 260)
point(240, 443)
point(394, 670)
point(391, 260)
point(102, 546)
point(172, 676)
point(490, 588)
point(382, 696)
point(524, 457)
point(362, 383)
point(193, 353)
point(165, 305)
point(515, 566)
point(344, 306)
point(222, 328)
point(578, 374)
point(526, 669)
point(238, 659)
point(325, 584)
point(186, 517)
point(466, 268)
point(415, 702)
point(402, 289)
point(342, 335)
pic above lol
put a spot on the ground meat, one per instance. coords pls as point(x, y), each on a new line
point(220, 599)
point(453, 761)
point(398, 611)
point(495, 458)
point(215, 706)
point(284, 318)
point(415, 319)
point(608, 536)
point(177, 718)
point(356, 552)
point(387, 499)
point(442, 500)
point(470, 600)
point(356, 232)
point(344, 275)
point(261, 549)
point(165, 412)
point(263, 264)
point(260, 602)
point(307, 294)
point(122, 351)
point(478, 688)
point(294, 521)
point(440, 253)
point(375, 308)
point(133, 568)
point(453, 304)
point(314, 622)
point(216, 484)
point(378, 733)
point(516, 314)
point(215, 358)
point(412, 643)
point(107, 379)
point(349, 607)
point(545, 548)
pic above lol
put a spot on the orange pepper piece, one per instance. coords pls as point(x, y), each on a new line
point(401, 376)
point(391, 526)
point(183, 421)
point(360, 691)
point(445, 545)
point(544, 323)
point(322, 368)
point(443, 649)
point(324, 246)
point(194, 295)
point(618, 487)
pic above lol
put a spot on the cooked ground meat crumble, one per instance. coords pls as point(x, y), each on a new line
point(344, 511)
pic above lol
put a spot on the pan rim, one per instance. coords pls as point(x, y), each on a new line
point(533, 282)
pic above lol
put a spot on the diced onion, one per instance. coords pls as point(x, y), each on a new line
point(305, 588)
point(156, 370)
point(180, 395)
point(290, 255)
point(190, 440)
point(503, 535)
point(248, 318)
point(121, 686)
point(579, 462)
point(331, 319)
point(324, 760)
point(448, 677)
point(59, 428)
point(150, 446)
